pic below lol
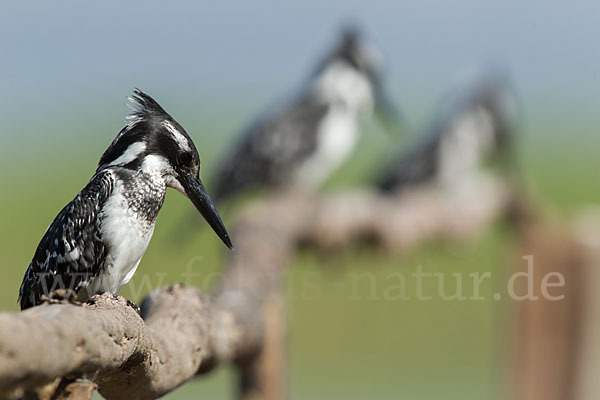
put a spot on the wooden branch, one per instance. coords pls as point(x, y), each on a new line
point(400, 222)
point(183, 332)
point(75, 391)
point(109, 343)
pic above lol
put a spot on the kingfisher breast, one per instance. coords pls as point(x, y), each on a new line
point(337, 136)
point(128, 220)
point(466, 147)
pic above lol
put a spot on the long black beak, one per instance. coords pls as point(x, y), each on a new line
point(386, 110)
point(198, 195)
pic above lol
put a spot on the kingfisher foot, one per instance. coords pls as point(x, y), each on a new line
point(134, 306)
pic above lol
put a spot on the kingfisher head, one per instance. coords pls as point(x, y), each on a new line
point(495, 93)
point(154, 143)
point(489, 91)
point(352, 73)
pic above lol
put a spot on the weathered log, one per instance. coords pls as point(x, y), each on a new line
point(400, 222)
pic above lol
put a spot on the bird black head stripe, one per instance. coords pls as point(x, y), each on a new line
point(146, 124)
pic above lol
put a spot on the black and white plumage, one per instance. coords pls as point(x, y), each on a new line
point(473, 127)
point(97, 241)
point(304, 141)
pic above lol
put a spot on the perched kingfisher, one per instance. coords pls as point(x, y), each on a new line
point(302, 142)
point(97, 241)
point(474, 126)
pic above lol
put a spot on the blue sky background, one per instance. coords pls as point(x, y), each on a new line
point(67, 64)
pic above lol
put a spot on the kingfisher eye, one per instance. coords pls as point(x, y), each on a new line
point(184, 159)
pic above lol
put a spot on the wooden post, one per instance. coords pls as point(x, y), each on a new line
point(264, 376)
point(548, 331)
point(587, 233)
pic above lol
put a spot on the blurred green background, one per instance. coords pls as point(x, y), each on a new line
point(346, 339)
point(67, 69)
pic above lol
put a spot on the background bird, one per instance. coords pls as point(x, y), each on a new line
point(474, 126)
point(97, 241)
point(304, 141)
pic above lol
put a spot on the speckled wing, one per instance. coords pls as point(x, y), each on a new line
point(416, 167)
point(273, 148)
point(71, 253)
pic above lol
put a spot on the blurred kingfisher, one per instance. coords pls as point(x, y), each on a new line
point(304, 141)
point(475, 125)
point(97, 241)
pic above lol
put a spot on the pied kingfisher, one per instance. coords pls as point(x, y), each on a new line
point(301, 143)
point(96, 242)
point(474, 125)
